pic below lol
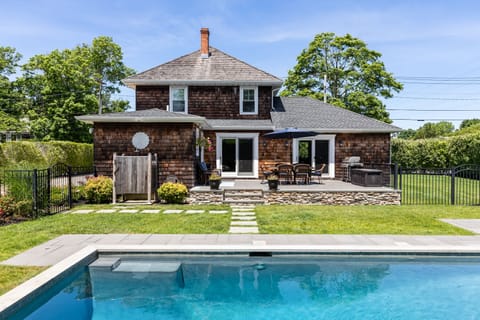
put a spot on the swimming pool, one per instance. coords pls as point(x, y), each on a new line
point(279, 287)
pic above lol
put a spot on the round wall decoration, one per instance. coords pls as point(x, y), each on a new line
point(140, 140)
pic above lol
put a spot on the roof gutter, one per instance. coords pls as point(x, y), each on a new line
point(335, 130)
point(129, 119)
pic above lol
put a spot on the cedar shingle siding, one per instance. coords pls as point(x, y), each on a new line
point(173, 143)
point(221, 102)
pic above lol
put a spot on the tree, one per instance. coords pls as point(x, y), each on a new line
point(434, 130)
point(469, 122)
point(356, 78)
point(10, 97)
point(407, 134)
point(63, 84)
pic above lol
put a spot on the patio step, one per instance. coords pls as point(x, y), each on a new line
point(243, 201)
point(247, 196)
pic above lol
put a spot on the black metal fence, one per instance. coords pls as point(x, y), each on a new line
point(44, 191)
point(451, 186)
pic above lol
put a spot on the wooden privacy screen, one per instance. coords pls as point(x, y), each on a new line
point(134, 175)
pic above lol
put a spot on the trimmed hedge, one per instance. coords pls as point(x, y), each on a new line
point(437, 153)
point(28, 154)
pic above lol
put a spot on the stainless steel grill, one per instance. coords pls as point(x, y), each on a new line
point(348, 164)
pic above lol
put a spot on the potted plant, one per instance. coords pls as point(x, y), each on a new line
point(272, 182)
point(215, 181)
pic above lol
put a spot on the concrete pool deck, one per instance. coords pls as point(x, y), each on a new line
point(55, 250)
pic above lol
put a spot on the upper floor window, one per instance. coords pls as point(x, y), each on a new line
point(248, 100)
point(179, 99)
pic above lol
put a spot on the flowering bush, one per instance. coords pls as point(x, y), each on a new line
point(205, 143)
point(173, 192)
point(98, 190)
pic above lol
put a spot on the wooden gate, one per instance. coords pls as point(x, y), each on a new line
point(134, 175)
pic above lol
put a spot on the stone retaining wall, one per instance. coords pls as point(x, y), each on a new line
point(308, 197)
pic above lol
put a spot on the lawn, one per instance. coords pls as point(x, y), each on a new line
point(293, 219)
point(413, 220)
point(436, 189)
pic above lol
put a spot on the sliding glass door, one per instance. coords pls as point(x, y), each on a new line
point(316, 151)
point(237, 154)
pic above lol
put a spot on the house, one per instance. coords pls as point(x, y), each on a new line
point(210, 94)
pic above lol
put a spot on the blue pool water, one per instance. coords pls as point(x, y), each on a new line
point(289, 287)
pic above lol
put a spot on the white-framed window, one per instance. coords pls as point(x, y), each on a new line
point(179, 99)
point(248, 100)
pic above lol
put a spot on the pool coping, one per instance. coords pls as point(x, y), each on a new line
point(23, 294)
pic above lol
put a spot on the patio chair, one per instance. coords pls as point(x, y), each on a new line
point(285, 172)
point(302, 172)
point(204, 172)
point(318, 173)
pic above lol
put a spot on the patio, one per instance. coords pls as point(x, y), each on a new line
point(328, 192)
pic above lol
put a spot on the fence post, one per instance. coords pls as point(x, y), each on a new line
point(395, 176)
point(69, 172)
point(452, 186)
point(34, 193)
point(49, 190)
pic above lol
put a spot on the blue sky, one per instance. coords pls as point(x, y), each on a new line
point(438, 39)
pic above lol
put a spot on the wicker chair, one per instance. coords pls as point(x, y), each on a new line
point(318, 173)
point(302, 173)
point(285, 172)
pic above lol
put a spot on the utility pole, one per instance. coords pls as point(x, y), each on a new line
point(325, 88)
point(100, 97)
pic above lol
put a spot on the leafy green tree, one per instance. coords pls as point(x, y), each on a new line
point(407, 134)
point(434, 130)
point(356, 78)
point(469, 122)
point(10, 97)
point(63, 84)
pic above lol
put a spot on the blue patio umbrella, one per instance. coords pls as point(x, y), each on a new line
point(290, 133)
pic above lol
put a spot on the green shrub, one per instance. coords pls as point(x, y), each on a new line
point(7, 207)
point(98, 190)
point(173, 192)
point(30, 155)
point(437, 153)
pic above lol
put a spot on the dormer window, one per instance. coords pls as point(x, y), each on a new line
point(179, 99)
point(248, 100)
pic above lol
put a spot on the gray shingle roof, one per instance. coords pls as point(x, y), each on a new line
point(218, 68)
point(228, 124)
point(150, 115)
point(312, 114)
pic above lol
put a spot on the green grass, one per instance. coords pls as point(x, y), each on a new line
point(409, 220)
point(432, 189)
point(294, 219)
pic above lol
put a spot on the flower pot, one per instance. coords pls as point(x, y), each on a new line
point(273, 184)
point(215, 184)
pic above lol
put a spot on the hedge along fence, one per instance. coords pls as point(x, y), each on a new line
point(28, 154)
point(437, 153)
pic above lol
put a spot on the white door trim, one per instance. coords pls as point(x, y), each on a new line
point(331, 151)
point(252, 135)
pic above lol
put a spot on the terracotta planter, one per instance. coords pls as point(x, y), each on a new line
point(215, 184)
point(273, 184)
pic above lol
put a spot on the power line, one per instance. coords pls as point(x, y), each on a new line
point(426, 119)
point(439, 99)
point(427, 110)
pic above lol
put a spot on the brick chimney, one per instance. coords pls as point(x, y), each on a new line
point(204, 45)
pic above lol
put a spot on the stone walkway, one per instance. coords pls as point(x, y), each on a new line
point(243, 219)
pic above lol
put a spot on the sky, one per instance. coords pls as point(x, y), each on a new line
point(431, 46)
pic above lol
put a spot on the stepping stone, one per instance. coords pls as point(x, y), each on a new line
point(243, 213)
point(242, 209)
point(243, 230)
point(243, 218)
point(195, 211)
point(83, 211)
point(243, 223)
point(151, 211)
point(128, 211)
point(218, 211)
point(170, 211)
point(107, 211)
